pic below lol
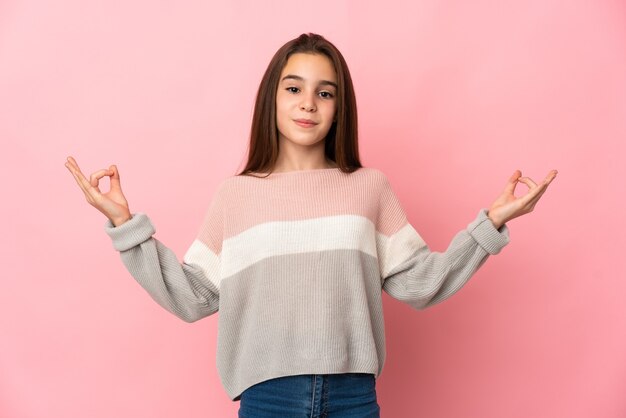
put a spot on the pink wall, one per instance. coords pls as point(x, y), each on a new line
point(452, 99)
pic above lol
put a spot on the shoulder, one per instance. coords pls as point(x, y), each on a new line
point(222, 186)
point(370, 173)
point(221, 191)
point(376, 177)
point(234, 186)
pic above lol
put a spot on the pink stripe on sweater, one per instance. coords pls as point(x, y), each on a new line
point(300, 195)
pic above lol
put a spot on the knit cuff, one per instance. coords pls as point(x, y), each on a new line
point(131, 233)
point(486, 234)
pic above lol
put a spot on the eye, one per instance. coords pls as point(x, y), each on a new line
point(329, 94)
point(291, 88)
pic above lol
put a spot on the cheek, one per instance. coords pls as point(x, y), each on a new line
point(282, 112)
point(282, 104)
point(330, 110)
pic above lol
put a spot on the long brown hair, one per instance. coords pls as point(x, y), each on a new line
point(341, 142)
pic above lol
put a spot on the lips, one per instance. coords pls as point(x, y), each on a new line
point(307, 123)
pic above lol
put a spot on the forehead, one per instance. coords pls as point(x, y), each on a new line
point(312, 67)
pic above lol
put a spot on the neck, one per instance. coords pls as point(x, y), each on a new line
point(282, 166)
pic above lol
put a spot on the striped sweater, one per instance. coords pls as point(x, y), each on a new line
point(296, 263)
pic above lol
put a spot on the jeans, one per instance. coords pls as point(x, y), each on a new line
point(312, 396)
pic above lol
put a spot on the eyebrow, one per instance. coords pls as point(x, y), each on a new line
point(297, 77)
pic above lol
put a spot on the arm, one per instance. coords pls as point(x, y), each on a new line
point(187, 290)
point(422, 278)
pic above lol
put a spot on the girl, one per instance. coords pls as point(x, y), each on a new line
point(295, 250)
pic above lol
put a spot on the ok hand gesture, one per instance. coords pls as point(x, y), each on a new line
point(112, 204)
point(507, 206)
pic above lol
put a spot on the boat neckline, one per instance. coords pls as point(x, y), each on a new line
point(311, 170)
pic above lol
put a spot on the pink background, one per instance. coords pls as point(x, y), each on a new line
point(452, 99)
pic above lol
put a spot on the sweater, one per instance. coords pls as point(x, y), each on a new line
point(295, 264)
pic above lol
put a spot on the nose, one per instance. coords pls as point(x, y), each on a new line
point(308, 104)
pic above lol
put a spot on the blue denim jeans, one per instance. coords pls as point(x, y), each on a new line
point(312, 396)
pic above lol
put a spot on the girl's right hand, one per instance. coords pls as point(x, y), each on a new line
point(112, 204)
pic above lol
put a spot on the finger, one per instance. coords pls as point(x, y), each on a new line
point(73, 163)
point(97, 175)
point(91, 192)
point(551, 175)
point(537, 190)
point(115, 178)
point(541, 190)
point(535, 193)
point(512, 182)
point(546, 182)
point(72, 160)
point(534, 196)
point(532, 192)
point(82, 182)
point(529, 182)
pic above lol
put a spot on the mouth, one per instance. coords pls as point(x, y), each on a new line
point(305, 123)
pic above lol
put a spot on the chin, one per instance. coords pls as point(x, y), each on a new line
point(303, 139)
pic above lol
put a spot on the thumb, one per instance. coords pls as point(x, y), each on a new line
point(513, 180)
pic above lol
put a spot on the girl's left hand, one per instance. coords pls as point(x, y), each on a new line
point(507, 206)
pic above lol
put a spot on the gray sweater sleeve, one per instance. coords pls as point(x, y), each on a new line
point(422, 278)
point(429, 277)
point(182, 288)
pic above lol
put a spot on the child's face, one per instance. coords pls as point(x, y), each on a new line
point(311, 97)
